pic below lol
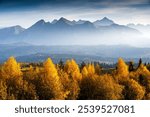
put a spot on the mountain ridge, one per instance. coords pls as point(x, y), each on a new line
point(64, 31)
point(103, 22)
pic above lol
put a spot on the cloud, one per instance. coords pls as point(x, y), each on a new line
point(72, 2)
point(27, 12)
point(29, 5)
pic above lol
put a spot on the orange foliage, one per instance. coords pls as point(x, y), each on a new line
point(11, 68)
point(122, 68)
point(67, 81)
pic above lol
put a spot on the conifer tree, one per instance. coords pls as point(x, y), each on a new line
point(3, 90)
point(90, 69)
point(50, 85)
point(107, 89)
point(73, 71)
point(87, 85)
point(84, 72)
point(11, 72)
point(133, 90)
point(72, 68)
point(142, 75)
point(122, 68)
point(140, 62)
point(11, 69)
point(131, 66)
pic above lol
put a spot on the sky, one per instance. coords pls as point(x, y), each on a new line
point(27, 12)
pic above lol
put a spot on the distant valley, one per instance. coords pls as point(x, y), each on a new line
point(101, 53)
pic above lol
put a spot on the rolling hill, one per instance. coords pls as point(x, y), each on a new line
point(101, 53)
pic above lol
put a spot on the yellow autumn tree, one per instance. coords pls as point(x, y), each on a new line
point(107, 89)
point(87, 85)
point(32, 74)
point(143, 70)
point(11, 69)
point(64, 77)
point(122, 69)
point(28, 92)
point(3, 90)
point(17, 87)
point(11, 72)
point(72, 68)
point(90, 69)
point(95, 86)
point(50, 86)
point(74, 75)
point(142, 76)
point(84, 72)
point(133, 90)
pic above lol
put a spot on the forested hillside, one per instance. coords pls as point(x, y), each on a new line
point(70, 81)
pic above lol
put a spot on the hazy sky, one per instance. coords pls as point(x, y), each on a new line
point(27, 12)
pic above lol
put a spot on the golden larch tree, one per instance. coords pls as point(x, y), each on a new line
point(72, 69)
point(3, 90)
point(133, 90)
point(122, 68)
point(11, 69)
point(84, 72)
point(74, 75)
point(90, 69)
point(107, 89)
point(87, 85)
point(11, 72)
point(50, 85)
point(143, 70)
point(142, 76)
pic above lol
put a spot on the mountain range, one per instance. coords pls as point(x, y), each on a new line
point(145, 29)
point(66, 32)
point(102, 40)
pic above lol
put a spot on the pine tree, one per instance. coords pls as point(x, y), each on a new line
point(61, 64)
point(83, 64)
point(140, 62)
point(131, 66)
